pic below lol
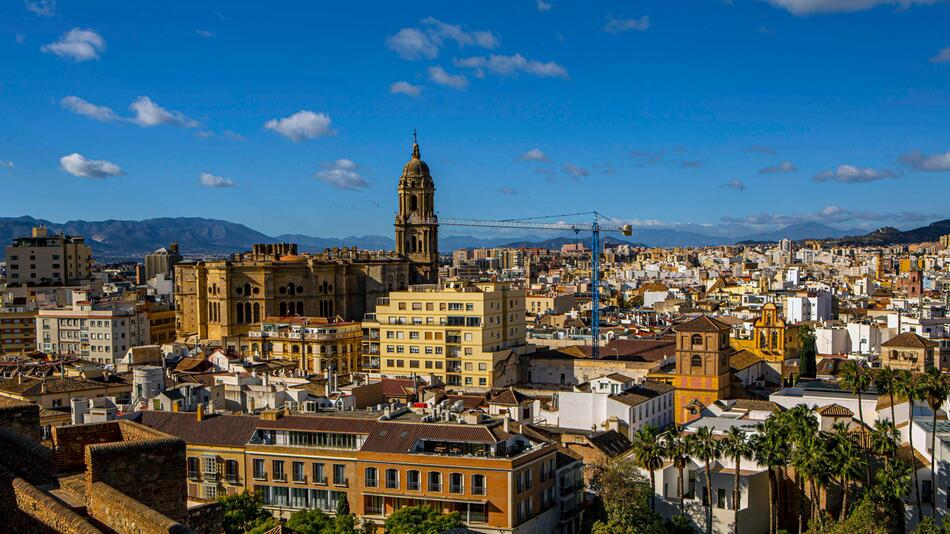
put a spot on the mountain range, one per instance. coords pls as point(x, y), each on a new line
point(115, 239)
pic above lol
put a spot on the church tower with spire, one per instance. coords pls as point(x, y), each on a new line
point(417, 227)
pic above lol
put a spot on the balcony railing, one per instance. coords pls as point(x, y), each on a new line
point(455, 488)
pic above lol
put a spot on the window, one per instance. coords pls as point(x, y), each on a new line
point(435, 481)
point(696, 339)
point(456, 483)
point(519, 482)
point(277, 469)
point(231, 470)
point(413, 480)
point(299, 473)
point(192, 467)
point(721, 498)
point(339, 474)
point(209, 492)
point(478, 484)
point(209, 465)
point(374, 504)
point(527, 479)
point(259, 469)
point(696, 361)
point(392, 478)
point(319, 474)
point(371, 477)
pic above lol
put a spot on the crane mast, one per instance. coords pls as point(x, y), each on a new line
point(594, 228)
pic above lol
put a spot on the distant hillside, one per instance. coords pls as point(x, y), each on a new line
point(558, 242)
point(799, 232)
point(308, 243)
point(892, 236)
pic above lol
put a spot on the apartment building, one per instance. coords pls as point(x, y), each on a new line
point(17, 331)
point(498, 479)
point(319, 344)
point(539, 302)
point(462, 333)
point(97, 332)
point(44, 259)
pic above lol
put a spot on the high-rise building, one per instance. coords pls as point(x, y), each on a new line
point(162, 261)
point(51, 260)
point(17, 331)
point(467, 335)
point(702, 366)
point(100, 333)
point(417, 226)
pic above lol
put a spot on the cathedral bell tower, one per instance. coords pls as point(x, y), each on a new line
point(417, 227)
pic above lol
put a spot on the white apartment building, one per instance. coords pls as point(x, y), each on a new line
point(813, 307)
point(97, 332)
point(618, 398)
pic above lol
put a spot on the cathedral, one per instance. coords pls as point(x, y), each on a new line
point(224, 300)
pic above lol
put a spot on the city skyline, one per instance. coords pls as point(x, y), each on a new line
point(748, 115)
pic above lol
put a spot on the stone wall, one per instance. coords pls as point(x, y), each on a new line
point(152, 472)
point(125, 515)
point(69, 443)
point(26, 509)
point(19, 417)
point(206, 518)
point(26, 457)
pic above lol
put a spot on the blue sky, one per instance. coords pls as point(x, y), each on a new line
point(744, 115)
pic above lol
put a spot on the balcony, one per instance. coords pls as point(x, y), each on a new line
point(456, 488)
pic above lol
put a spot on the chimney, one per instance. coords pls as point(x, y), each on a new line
point(506, 422)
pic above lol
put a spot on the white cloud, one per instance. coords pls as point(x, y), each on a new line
point(849, 174)
point(505, 190)
point(204, 33)
point(234, 136)
point(302, 125)
point(88, 109)
point(646, 157)
point(342, 175)
point(735, 185)
point(210, 180)
point(783, 167)
point(620, 25)
point(425, 42)
point(405, 88)
point(77, 44)
point(43, 8)
point(511, 65)
point(808, 7)
point(456, 81)
point(412, 43)
point(77, 165)
point(543, 6)
point(761, 149)
point(928, 162)
point(575, 171)
point(829, 214)
point(943, 56)
point(6, 164)
point(535, 154)
point(148, 114)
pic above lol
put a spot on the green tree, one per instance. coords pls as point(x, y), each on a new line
point(262, 526)
point(886, 381)
point(421, 520)
point(885, 440)
point(908, 386)
point(846, 463)
point(242, 512)
point(736, 446)
point(342, 505)
point(707, 449)
point(676, 448)
point(623, 493)
point(856, 378)
point(770, 447)
point(647, 453)
point(807, 353)
point(310, 522)
point(936, 387)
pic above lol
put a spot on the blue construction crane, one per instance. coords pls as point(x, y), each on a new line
point(595, 228)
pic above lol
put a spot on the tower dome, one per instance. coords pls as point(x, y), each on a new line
point(415, 167)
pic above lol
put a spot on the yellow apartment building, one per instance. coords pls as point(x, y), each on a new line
point(464, 334)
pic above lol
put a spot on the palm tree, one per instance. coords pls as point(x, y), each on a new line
point(846, 463)
point(936, 387)
point(885, 440)
point(857, 379)
point(886, 382)
point(770, 447)
point(908, 386)
point(676, 448)
point(736, 446)
point(810, 458)
point(648, 454)
point(800, 425)
point(891, 485)
point(707, 449)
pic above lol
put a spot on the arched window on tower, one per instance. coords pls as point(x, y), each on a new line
point(696, 361)
point(696, 339)
point(283, 309)
point(239, 315)
point(257, 312)
point(774, 343)
point(247, 289)
point(413, 203)
point(247, 312)
point(299, 308)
